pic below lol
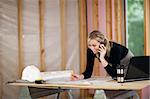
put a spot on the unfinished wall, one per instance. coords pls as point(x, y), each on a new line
point(31, 39)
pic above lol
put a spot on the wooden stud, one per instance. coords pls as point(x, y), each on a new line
point(95, 14)
point(63, 38)
point(139, 92)
point(83, 40)
point(125, 18)
point(83, 34)
point(1, 81)
point(118, 20)
point(41, 27)
point(146, 27)
point(96, 70)
point(20, 38)
point(63, 34)
point(42, 50)
point(109, 19)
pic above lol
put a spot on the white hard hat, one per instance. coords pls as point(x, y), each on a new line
point(31, 73)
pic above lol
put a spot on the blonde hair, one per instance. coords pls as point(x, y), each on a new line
point(101, 38)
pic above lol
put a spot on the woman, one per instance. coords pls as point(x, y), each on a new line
point(109, 54)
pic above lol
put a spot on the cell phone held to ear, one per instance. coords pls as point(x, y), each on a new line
point(98, 56)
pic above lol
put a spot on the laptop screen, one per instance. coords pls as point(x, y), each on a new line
point(139, 68)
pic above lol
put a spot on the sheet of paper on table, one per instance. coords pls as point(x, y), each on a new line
point(90, 81)
point(63, 77)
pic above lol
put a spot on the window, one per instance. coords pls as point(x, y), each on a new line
point(135, 26)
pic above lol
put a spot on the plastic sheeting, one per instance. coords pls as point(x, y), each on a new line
point(9, 39)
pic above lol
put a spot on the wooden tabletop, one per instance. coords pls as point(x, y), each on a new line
point(92, 83)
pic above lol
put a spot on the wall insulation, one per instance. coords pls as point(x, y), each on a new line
point(31, 44)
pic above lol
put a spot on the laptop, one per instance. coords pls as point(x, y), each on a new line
point(139, 69)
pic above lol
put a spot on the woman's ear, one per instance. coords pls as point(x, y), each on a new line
point(105, 42)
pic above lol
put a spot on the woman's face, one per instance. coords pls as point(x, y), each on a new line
point(94, 45)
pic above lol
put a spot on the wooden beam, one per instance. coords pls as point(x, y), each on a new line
point(63, 34)
point(96, 70)
point(1, 85)
point(95, 14)
point(83, 34)
point(109, 19)
point(118, 20)
point(20, 38)
point(125, 18)
point(83, 39)
point(41, 22)
point(146, 27)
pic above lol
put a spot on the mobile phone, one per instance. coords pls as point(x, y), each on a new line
point(99, 52)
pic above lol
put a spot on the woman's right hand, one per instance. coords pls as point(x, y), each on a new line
point(77, 77)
